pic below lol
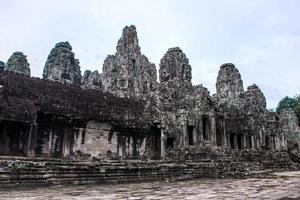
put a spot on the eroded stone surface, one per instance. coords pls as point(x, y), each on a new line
point(175, 65)
point(229, 84)
point(61, 65)
point(255, 99)
point(291, 130)
point(18, 63)
point(91, 80)
point(128, 73)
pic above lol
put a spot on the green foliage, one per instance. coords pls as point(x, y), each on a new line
point(286, 102)
point(290, 102)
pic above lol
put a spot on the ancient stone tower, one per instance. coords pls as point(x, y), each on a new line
point(175, 65)
point(255, 99)
point(18, 63)
point(61, 65)
point(229, 84)
point(128, 73)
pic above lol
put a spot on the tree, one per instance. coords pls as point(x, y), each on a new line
point(289, 102)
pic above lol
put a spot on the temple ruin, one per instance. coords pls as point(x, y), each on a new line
point(126, 113)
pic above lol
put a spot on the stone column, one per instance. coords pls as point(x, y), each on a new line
point(195, 136)
point(185, 135)
point(244, 145)
point(200, 130)
point(162, 144)
point(212, 134)
point(32, 137)
point(224, 134)
point(252, 142)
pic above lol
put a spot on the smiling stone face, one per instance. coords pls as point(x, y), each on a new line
point(61, 65)
point(175, 65)
point(229, 83)
point(18, 63)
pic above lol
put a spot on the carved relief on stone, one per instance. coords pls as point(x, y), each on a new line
point(128, 73)
point(61, 65)
point(18, 63)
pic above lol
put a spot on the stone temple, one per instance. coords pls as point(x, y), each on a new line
point(125, 112)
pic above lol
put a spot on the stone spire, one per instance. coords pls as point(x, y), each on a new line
point(128, 73)
point(175, 65)
point(129, 43)
point(255, 99)
point(61, 65)
point(18, 63)
point(229, 84)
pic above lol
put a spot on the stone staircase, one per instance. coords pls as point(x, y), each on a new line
point(20, 171)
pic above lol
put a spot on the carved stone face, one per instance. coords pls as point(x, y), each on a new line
point(164, 75)
point(223, 91)
point(187, 75)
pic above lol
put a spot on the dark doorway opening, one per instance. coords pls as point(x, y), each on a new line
point(250, 141)
point(170, 142)
point(13, 138)
point(219, 132)
point(205, 125)
point(155, 143)
point(267, 140)
point(232, 140)
point(239, 141)
point(191, 135)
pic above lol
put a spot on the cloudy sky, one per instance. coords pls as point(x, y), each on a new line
point(262, 38)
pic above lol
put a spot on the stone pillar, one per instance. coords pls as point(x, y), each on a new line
point(32, 137)
point(212, 134)
point(66, 142)
point(252, 142)
point(185, 135)
point(224, 134)
point(195, 136)
point(244, 143)
point(200, 130)
point(162, 144)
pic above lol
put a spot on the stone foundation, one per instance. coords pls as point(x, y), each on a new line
point(32, 172)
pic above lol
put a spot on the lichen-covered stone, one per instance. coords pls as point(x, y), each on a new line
point(229, 84)
point(91, 80)
point(18, 63)
point(61, 65)
point(175, 65)
point(128, 73)
point(255, 99)
point(291, 129)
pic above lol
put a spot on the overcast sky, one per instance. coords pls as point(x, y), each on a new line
point(262, 38)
